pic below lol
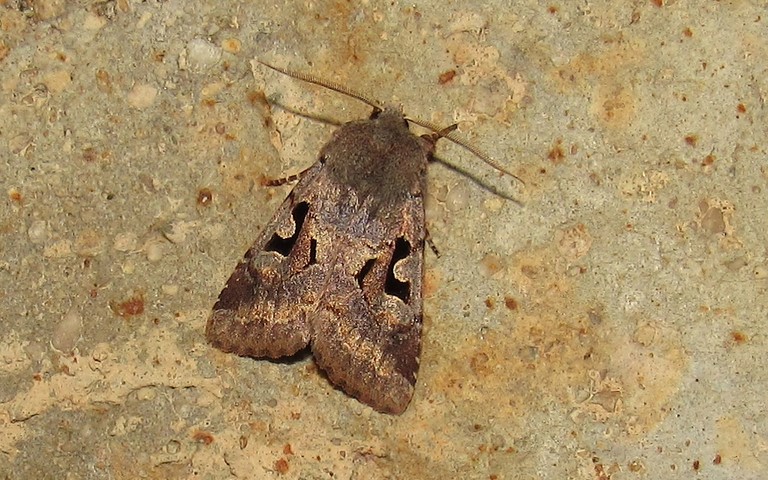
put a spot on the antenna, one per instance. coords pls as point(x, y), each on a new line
point(308, 77)
point(441, 132)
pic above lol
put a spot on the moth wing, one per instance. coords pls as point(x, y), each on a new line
point(366, 331)
point(264, 307)
point(340, 267)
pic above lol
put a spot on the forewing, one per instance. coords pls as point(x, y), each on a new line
point(366, 331)
point(263, 309)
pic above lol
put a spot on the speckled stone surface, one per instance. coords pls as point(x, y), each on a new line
point(611, 324)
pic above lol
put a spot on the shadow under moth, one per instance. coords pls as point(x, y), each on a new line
point(340, 265)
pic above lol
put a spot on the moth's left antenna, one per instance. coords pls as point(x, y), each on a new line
point(308, 77)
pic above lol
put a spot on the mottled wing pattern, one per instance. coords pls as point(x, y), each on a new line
point(366, 331)
point(340, 267)
point(262, 310)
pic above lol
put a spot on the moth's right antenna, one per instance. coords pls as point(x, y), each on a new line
point(452, 136)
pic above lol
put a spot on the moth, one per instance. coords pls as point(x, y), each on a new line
point(339, 268)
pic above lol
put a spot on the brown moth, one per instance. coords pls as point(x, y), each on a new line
point(340, 266)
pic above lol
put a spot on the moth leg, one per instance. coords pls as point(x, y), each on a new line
point(444, 133)
point(432, 246)
point(276, 182)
